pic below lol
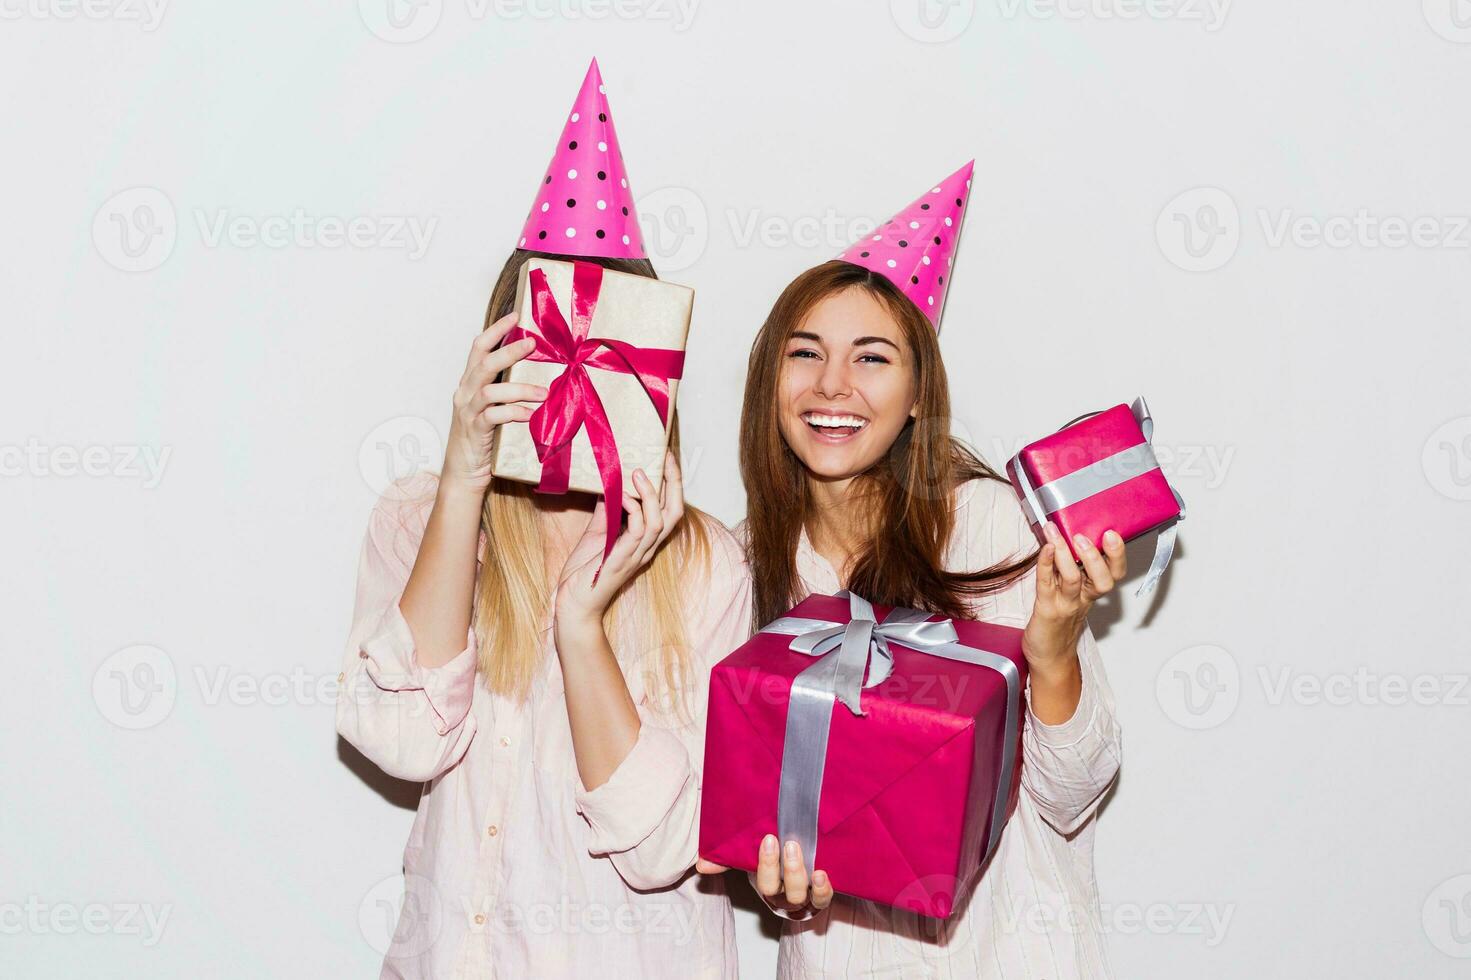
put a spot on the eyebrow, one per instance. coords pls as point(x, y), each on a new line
point(808, 335)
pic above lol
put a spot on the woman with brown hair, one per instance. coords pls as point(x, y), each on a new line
point(553, 710)
point(854, 482)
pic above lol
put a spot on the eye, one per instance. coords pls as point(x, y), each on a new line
point(803, 352)
point(873, 359)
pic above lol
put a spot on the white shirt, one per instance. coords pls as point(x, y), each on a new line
point(513, 868)
point(1032, 912)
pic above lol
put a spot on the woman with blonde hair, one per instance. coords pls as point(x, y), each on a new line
point(551, 701)
point(854, 482)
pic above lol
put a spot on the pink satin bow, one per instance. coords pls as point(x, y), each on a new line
point(572, 402)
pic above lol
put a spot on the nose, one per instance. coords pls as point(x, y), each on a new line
point(833, 381)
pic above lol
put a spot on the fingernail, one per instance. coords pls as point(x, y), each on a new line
point(819, 878)
point(768, 844)
point(1050, 530)
point(792, 851)
point(1081, 540)
point(1112, 537)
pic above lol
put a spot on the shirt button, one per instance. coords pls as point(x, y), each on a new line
point(505, 740)
point(479, 919)
point(493, 830)
point(341, 677)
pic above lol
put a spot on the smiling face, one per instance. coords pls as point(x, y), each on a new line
point(847, 385)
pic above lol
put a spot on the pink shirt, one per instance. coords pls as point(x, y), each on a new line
point(512, 868)
point(1034, 912)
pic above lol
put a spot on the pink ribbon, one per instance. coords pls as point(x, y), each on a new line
point(572, 402)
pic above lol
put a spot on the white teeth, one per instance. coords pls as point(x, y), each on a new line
point(834, 421)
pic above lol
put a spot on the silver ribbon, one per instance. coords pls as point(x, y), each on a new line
point(853, 656)
point(1040, 503)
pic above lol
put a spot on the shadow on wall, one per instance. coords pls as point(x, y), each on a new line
point(399, 792)
point(405, 795)
point(1108, 611)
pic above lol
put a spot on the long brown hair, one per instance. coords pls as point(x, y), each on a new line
point(906, 497)
point(513, 592)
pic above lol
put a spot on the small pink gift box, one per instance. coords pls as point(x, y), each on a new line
point(886, 741)
point(1096, 474)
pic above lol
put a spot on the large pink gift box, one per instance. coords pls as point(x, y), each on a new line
point(886, 741)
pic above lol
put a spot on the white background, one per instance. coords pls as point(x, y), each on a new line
point(1255, 215)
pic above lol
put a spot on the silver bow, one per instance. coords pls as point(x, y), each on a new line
point(862, 645)
point(852, 656)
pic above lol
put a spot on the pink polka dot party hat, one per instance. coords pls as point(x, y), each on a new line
point(584, 205)
point(915, 249)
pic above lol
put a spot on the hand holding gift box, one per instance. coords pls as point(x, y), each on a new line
point(1099, 473)
point(899, 792)
point(610, 351)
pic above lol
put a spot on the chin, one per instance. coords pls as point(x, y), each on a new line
point(827, 462)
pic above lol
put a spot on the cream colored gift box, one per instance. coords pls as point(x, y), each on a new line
point(634, 309)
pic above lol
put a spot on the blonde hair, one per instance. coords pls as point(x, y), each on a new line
point(513, 594)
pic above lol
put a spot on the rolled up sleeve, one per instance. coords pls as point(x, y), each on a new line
point(646, 817)
point(413, 722)
point(1069, 766)
point(391, 663)
point(647, 791)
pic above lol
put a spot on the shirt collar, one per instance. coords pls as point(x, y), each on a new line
point(816, 572)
